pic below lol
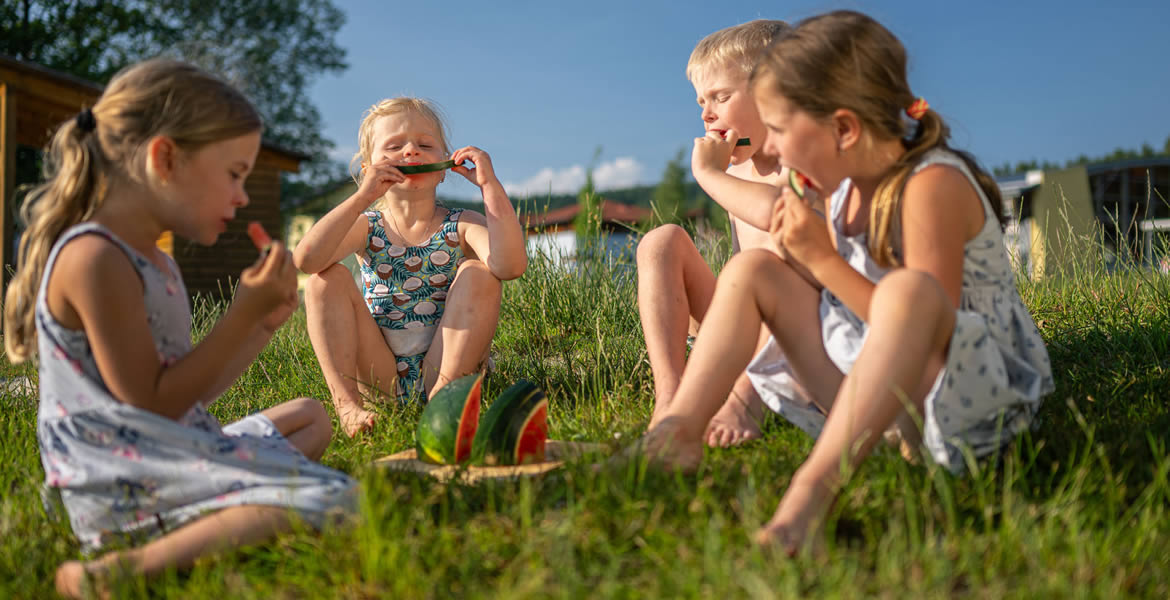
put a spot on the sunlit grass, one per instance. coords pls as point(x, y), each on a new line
point(1076, 508)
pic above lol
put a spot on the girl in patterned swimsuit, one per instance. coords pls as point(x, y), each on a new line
point(895, 313)
point(126, 440)
point(431, 277)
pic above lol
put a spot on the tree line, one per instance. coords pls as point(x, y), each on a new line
point(1146, 151)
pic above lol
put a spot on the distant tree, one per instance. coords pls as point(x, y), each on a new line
point(271, 49)
point(587, 223)
point(1146, 151)
point(668, 202)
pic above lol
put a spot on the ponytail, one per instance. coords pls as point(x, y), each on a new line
point(74, 188)
point(885, 219)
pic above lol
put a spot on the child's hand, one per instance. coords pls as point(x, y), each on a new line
point(267, 293)
point(800, 230)
point(713, 151)
point(482, 174)
point(377, 178)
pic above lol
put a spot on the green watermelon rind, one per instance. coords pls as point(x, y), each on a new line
point(517, 427)
point(437, 435)
point(496, 436)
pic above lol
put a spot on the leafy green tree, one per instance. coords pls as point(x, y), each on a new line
point(668, 202)
point(271, 49)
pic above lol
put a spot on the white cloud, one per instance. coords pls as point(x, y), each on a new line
point(619, 173)
point(623, 172)
point(548, 180)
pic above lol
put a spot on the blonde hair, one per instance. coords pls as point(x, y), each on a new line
point(154, 98)
point(845, 59)
point(387, 107)
point(734, 48)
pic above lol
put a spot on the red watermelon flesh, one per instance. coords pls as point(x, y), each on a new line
point(468, 423)
point(533, 435)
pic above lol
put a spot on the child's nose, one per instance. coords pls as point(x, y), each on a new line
point(708, 115)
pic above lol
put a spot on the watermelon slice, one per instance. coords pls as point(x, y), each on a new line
point(743, 142)
point(798, 182)
point(515, 429)
point(449, 421)
point(260, 238)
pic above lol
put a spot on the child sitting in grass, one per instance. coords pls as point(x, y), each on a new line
point(675, 284)
point(912, 322)
point(125, 437)
point(431, 277)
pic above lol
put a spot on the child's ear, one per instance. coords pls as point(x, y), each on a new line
point(162, 158)
point(847, 128)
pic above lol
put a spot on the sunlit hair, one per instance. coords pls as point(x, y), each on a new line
point(387, 107)
point(847, 60)
point(153, 98)
point(734, 48)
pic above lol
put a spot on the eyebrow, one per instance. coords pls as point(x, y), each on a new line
point(713, 93)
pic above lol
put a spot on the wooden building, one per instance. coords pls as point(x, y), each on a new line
point(34, 100)
point(1115, 211)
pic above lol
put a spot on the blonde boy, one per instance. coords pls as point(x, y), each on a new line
point(675, 285)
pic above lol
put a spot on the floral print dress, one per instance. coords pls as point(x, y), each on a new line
point(124, 474)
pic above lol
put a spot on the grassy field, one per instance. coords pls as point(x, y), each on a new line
point(1078, 508)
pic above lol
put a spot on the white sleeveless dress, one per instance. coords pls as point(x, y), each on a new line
point(124, 474)
point(997, 368)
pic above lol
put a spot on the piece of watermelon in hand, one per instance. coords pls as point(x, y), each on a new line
point(260, 238)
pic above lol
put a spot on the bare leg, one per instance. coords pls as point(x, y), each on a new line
point(748, 294)
point(229, 528)
point(353, 354)
point(304, 423)
point(911, 319)
point(738, 420)
point(465, 332)
point(675, 287)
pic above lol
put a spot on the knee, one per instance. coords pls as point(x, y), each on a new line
point(749, 266)
point(476, 275)
point(661, 243)
point(322, 283)
point(314, 413)
point(907, 292)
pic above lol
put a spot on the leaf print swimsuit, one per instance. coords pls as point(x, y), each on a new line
point(405, 288)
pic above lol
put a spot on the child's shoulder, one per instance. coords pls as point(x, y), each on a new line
point(467, 216)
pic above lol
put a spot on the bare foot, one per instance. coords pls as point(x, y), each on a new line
point(354, 418)
point(798, 524)
point(737, 422)
point(72, 581)
point(660, 407)
point(667, 446)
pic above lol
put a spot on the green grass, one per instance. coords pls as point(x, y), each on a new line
point(1077, 508)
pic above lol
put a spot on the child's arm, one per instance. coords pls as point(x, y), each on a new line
point(749, 201)
point(100, 291)
point(500, 245)
point(940, 212)
point(342, 231)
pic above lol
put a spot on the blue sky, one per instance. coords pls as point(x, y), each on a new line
point(540, 85)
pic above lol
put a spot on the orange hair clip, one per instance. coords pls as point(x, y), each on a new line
point(917, 109)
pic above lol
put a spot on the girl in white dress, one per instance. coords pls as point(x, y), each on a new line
point(895, 313)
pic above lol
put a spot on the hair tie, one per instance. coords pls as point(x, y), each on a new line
point(917, 109)
point(911, 120)
point(86, 121)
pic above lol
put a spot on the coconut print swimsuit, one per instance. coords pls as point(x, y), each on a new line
point(405, 288)
point(124, 474)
